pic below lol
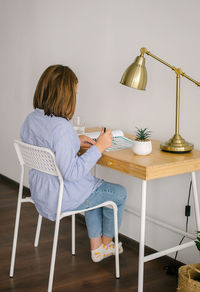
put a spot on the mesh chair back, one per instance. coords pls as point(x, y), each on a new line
point(39, 158)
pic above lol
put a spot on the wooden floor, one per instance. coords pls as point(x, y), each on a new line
point(72, 273)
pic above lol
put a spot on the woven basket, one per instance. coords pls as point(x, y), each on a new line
point(189, 278)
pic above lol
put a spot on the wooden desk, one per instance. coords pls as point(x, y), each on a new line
point(155, 165)
point(158, 164)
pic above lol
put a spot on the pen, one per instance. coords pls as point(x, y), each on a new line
point(104, 130)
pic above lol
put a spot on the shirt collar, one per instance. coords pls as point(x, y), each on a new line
point(39, 111)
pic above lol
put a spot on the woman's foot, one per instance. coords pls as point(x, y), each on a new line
point(97, 254)
point(109, 249)
point(104, 251)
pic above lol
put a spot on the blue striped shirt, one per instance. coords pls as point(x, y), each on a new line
point(57, 134)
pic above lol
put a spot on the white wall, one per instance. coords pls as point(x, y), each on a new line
point(98, 40)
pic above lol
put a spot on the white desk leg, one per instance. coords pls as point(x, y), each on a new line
point(142, 237)
point(196, 200)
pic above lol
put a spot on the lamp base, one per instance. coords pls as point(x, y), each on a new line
point(177, 144)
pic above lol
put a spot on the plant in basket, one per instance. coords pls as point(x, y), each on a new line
point(189, 275)
point(197, 241)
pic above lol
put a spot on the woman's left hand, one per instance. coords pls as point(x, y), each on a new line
point(86, 141)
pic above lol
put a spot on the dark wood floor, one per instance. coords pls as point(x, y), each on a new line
point(72, 273)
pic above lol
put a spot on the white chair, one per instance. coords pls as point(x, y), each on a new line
point(43, 159)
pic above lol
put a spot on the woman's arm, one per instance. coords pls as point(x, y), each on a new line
point(72, 166)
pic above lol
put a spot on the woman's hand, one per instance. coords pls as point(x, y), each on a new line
point(86, 141)
point(105, 140)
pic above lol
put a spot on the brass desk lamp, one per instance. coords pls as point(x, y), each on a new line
point(136, 76)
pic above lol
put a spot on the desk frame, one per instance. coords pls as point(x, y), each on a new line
point(158, 164)
point(142, 257)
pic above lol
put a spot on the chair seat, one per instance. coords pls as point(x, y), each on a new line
point(108, 204)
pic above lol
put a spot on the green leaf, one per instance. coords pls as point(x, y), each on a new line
point(142, 134)
point(198, 245)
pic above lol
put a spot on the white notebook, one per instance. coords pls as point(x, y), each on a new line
point(118, 141)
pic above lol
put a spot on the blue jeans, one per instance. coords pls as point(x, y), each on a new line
point(100, 221)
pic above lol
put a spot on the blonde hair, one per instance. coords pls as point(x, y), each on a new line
point(56, 92)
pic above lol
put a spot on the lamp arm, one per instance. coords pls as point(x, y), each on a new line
point(178, 71)
point(190, 78)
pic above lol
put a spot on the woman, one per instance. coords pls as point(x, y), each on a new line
point(48, 126)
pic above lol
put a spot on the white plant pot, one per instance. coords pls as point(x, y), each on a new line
point(142, 147)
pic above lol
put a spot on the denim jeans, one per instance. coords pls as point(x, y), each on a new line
point(100, 221)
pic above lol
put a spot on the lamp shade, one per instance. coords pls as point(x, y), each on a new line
point(136, 74)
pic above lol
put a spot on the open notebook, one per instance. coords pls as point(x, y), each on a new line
point(118, 141)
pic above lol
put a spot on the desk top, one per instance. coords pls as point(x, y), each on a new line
point(155, 165)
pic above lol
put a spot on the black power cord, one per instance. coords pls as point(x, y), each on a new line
point(172, 268)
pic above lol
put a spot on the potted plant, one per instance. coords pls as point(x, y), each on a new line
point(142, 144)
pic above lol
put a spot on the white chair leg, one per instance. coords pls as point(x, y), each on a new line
point(116, 244)
point(12, 264)
point(15, 240)
point(53, 257)
point(37, 234)
point(73, 234)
